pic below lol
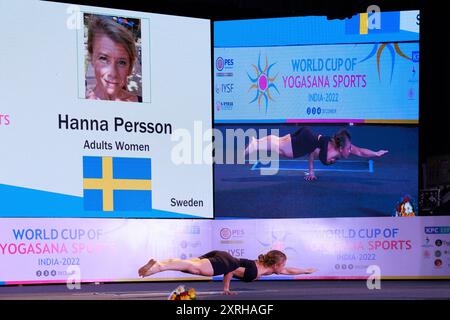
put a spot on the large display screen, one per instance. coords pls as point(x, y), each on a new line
point(96, 107)
point(310, 69)
point(108, 113)
point(319, 117)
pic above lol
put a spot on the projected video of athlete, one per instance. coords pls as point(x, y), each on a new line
point(317, 146)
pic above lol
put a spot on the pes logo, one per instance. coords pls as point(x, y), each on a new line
point(4, 120)
point(222, 63)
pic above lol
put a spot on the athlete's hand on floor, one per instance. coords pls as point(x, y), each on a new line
point(310, 270)
point(229, 292)
point(310, 177)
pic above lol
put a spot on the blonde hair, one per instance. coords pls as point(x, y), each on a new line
point(272, 258)
point(101, 25)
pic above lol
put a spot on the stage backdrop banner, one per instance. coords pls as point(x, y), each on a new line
point(95, 250)
point(358, 83)
point(345, 248)
point(98, 250)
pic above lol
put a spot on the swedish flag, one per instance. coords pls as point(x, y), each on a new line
point(117, 184)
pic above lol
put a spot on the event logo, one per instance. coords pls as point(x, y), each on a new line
point(225, 233)
point(224, 105)
point(262, 83)
point(237, 252)
point(378, 49)
point(438, 263)
point(278, 242)
point(195, 229)
point(413, 78)
point(405, 208)
point(226, 88)
point(224, 64)
point(4, 120)
point(117, 184)
point(194, 244)
point(437, 230)
point(231, 236)
point(427, 243)
point(219, 64)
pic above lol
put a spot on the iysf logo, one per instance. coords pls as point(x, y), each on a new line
point(225, 88)
point(4, 120)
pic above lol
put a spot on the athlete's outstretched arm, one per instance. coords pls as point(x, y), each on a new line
point(295, 271)
point(367, 153)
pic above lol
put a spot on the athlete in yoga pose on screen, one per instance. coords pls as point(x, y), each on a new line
point(305, 142)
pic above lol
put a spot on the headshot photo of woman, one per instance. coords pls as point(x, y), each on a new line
point(113, 58)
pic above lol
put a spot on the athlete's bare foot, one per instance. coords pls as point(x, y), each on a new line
point(150, 268)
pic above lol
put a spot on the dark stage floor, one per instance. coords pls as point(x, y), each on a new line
point(261, 290)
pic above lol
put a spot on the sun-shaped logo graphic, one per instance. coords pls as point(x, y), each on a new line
point(378, 49)
point(263, 83)
point(278, 243)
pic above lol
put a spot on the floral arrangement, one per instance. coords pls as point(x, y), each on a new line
point(182, 293)
point(405, 208)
